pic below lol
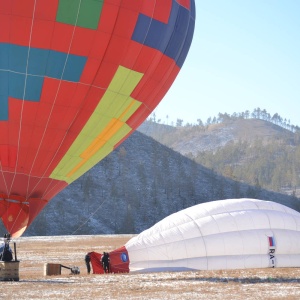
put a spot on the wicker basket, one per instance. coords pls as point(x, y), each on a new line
point(9, 271)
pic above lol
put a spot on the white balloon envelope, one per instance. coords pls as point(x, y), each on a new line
point(224, 234)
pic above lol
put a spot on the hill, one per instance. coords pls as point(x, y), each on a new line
point(136, 186)
point(196, 138)
point(254, 151)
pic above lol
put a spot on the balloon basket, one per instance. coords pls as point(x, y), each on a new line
point(55, 269)
point(52, 269)
point(9, 271)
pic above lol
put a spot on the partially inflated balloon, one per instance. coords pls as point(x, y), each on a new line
point(225, 234)
point(77, 77)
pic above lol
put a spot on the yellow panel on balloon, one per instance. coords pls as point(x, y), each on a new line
point(105, 128)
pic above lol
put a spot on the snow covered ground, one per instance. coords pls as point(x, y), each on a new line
point(35, 252)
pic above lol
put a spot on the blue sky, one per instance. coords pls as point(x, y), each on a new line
point(245, 54)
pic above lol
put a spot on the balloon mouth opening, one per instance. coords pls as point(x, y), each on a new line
point(14, 199)
point(18, 212)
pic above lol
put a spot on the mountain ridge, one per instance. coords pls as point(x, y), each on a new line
point(253, 151)
point(137, 185)
point(192, 139)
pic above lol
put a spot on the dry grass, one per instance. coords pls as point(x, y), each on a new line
point(234, 284)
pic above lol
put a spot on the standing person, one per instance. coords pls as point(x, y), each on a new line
point(87, 262)
point(5, 250)
point(105, 262)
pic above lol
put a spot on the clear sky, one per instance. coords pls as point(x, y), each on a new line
point(245, 54)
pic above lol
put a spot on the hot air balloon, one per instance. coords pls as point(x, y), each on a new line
point(76, 79)
point(224, 234)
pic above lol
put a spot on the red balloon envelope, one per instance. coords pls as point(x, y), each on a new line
point(77, 77)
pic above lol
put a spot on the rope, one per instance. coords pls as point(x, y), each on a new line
point(92, 214)
point(53, 103)
point(22, 107)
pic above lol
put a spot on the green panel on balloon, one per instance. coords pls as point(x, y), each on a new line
point(82, 13)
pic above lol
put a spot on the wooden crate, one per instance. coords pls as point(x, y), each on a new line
point(52, 269)
point(9, 271)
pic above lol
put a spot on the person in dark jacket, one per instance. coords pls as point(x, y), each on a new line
point(5, 250)
point(87, 262)
point(105, 262)
point(5, 253)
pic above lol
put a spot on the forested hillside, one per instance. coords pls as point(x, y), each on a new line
point(262, 150)
point(274, 166)
point(137, 185)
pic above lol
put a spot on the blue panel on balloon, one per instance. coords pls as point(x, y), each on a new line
point(3, 107)
point(23, 69)
point(4, 56)
point(174, 38)
point(55, 64)
point(34, 86)
point(4, 79)
point(18, 56)
point(68, 67)
point(37, 63)
point(184, 52)
point(74, 67)
point(3, 95)
point(179, 33)
point(16, 85)
point(149, 32)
